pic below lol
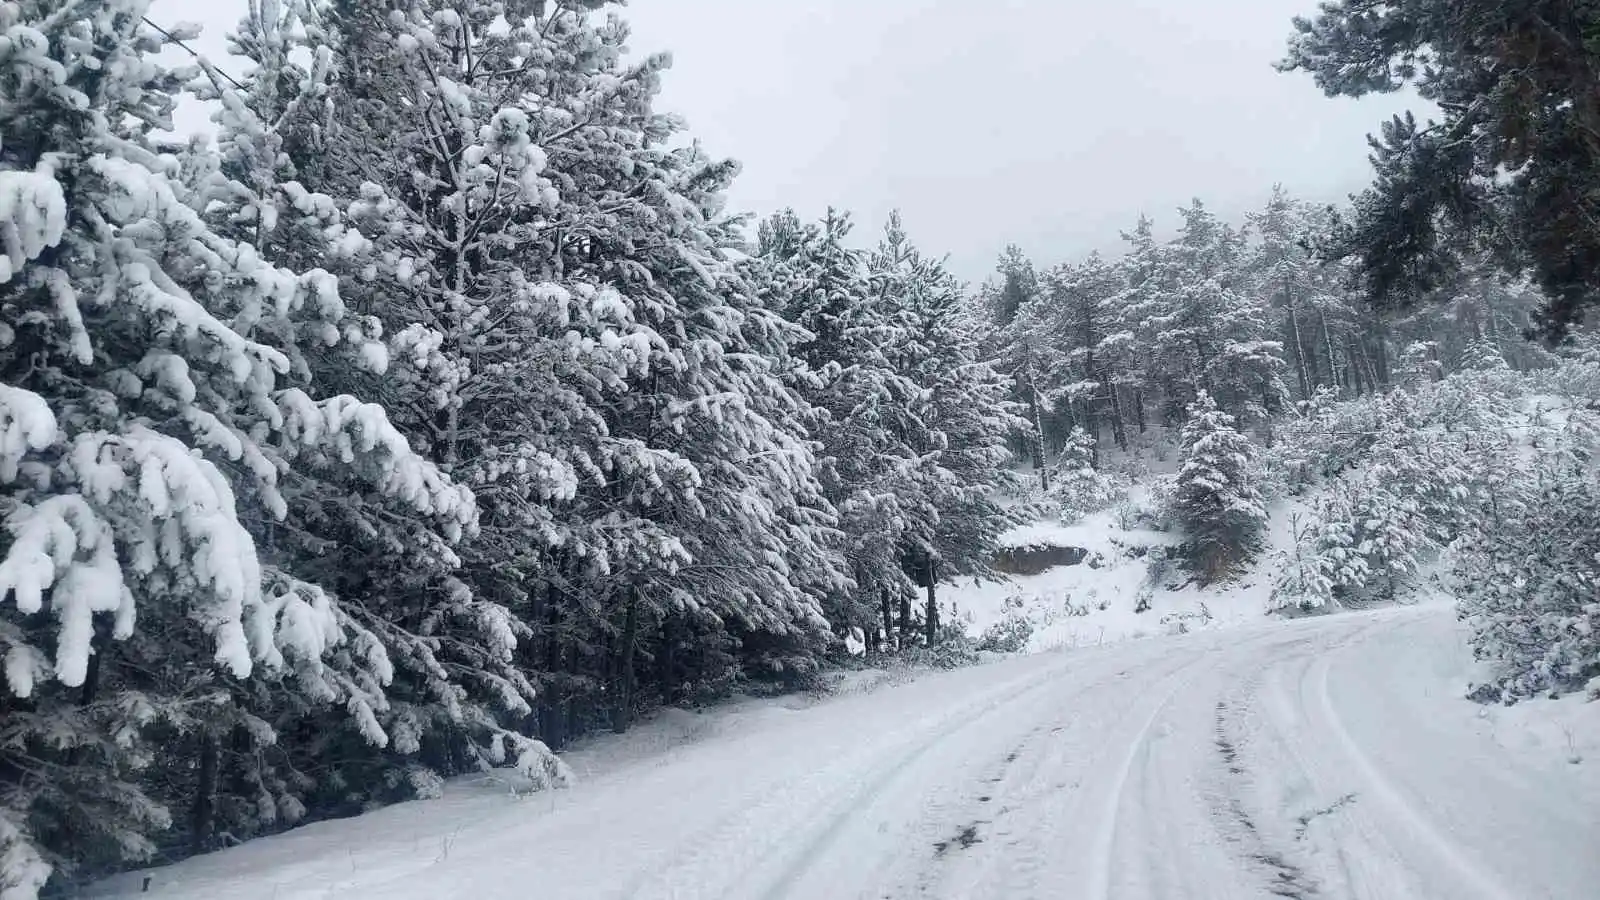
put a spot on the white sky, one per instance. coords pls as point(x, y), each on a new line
point(1047, 123)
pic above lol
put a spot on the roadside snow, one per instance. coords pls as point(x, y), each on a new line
point(1096, 601)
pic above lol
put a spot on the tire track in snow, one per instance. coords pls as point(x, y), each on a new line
point(1106, 834)
point(1480, 881)
point(805, 804)
point(1023, 846)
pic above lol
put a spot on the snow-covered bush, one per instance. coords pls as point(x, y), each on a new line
point(1528, 572)
point(1009, 635)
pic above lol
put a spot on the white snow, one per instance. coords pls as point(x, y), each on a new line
point(1094, 602)
point(1330, 754)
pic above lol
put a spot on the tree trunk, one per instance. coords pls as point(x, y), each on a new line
point(888, 618)
point(1138, 407)
point(1333, 359)
point(1357, 373)
point(667, 659)
point(1036, 440)
point(99, 644)
point(905, 620)
point(1301, 370)
point(552, 712)
point(1380, 353)
point(1119, 428)
point(933, 603)
point(203, 815)
point(622, 717)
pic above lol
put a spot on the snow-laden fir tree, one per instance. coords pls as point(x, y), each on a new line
point(1026, 349)
point(957, 423)
point(1076, 314)
point(1215, 498)
point(157, 421)
point(587, 357)
point(863, 413)
point(1077, 488)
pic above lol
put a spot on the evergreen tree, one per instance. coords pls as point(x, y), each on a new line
point(161, 430)
point(958, 420)
point(1215, 499)
point(1518, 93)
point(1526, 572)
point(864, 417)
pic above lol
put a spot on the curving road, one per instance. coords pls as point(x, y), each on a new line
point(1321, 758)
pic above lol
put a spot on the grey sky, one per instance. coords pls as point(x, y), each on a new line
point(1047, 123)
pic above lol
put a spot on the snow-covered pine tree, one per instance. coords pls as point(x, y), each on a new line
point(756, 527)
point(1419, 365)
point(1075, 313)
point(587, 355)
point(152, 445)
point(1215, 498)
point(1305, 575)
point(862, 413)
point(958, 422)
point(1025, 350)
point(1208, 332)
point(1303, 292)
point(1077, 488)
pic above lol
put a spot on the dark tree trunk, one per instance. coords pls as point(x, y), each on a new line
point(202, 816)
point(905, 619)
point(1119, 428)
point(1327, 344)
point(622, 716)
point(888, 618)
point(100, 644)
point(552, 711)
point(933, 603)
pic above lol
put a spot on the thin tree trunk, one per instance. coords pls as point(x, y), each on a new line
point(888, 618)
point(905, 619)
point(622, 718)
point(1327, 340)
point(203, 814)
point(1119, 428)
point(1302, 371)
point(1036, 419)
point(933, 603)
point(552, 711)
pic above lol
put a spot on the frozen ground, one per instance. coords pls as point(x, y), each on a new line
point(1323, 757)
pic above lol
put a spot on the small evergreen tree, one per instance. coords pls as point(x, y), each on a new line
point(1215, 499)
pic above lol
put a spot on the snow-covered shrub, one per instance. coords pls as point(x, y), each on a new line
point(1323, 438)
point(1009, 635)
point(1306, 575)
point(1527, 574)
point(952, 649)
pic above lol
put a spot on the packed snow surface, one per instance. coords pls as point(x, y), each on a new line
point(1321, 757)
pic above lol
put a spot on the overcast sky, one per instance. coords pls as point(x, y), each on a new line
point(1047, 123)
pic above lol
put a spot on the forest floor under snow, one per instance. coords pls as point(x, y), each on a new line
point(1330, 756)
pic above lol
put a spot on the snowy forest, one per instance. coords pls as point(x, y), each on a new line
point(436, 412)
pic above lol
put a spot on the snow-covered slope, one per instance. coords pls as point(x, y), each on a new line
point(1097, 601)
point(1326, 756)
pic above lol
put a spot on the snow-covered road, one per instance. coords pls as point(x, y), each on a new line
point(1329, 757)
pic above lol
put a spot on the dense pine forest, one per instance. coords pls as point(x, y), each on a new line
point(436, 411)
